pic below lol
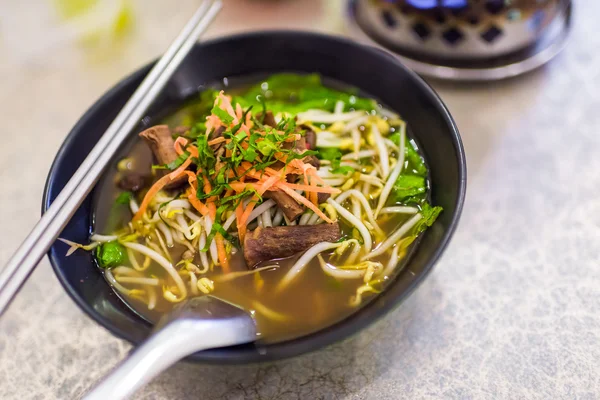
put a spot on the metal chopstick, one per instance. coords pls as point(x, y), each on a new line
point(21, 264)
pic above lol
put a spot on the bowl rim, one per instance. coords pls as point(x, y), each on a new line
point(334, 333)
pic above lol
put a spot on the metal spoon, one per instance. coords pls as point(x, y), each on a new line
point(197, 324)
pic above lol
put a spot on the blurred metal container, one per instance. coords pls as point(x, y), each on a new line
point(465, 39)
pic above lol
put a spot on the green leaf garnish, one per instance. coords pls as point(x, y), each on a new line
point(416, 164)
point(266, 147)
point(110, 255)
point(429, 214)
point(178, 161)
point(409, 186)
point(222, 114)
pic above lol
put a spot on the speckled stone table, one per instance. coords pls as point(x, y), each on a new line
point(512, 311)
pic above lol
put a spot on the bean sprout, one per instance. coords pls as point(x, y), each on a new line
point(390, 241)
point(163, 262)
point(391, 179)
point(368, 243)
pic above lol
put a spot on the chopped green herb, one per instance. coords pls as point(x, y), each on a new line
point(178, 161)
point(222, 114)
point(206, 157)
point(266, 147)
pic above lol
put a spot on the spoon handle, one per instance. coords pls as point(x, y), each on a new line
point(197, 324)
point(19, 267)
point(176, 340)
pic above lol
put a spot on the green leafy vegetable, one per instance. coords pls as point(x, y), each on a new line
point(294, 93)
point(110, 255)
point(416, 164)
point(415, 161)
point(124, 198)
point(407, 186)
point(429, 214)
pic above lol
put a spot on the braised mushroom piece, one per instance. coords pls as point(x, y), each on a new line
point(160, 141)
point(271, 243)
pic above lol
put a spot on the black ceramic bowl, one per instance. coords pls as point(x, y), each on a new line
point(368, 69)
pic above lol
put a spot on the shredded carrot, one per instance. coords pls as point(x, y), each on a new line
point(238, 111)
point(154, 189)
point(180, 141)
point(247, 211)
point(273, 172)
point(303, 200)
point(191, 195)
point(212, 122)
point(313, 197)
point(212, 210)
point(181, 168)
point(242, 216)
point(239, 186)
point(310, 195)
point(314, 189)
point(246, 165)
point(239, 211)
point(218, 140)
point(197, 204)
point(226, 105)
point(268, 184)
point(222, 253)
point(192, 179)
point(193, 151)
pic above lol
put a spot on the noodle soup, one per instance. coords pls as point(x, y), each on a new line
point(294, 200)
